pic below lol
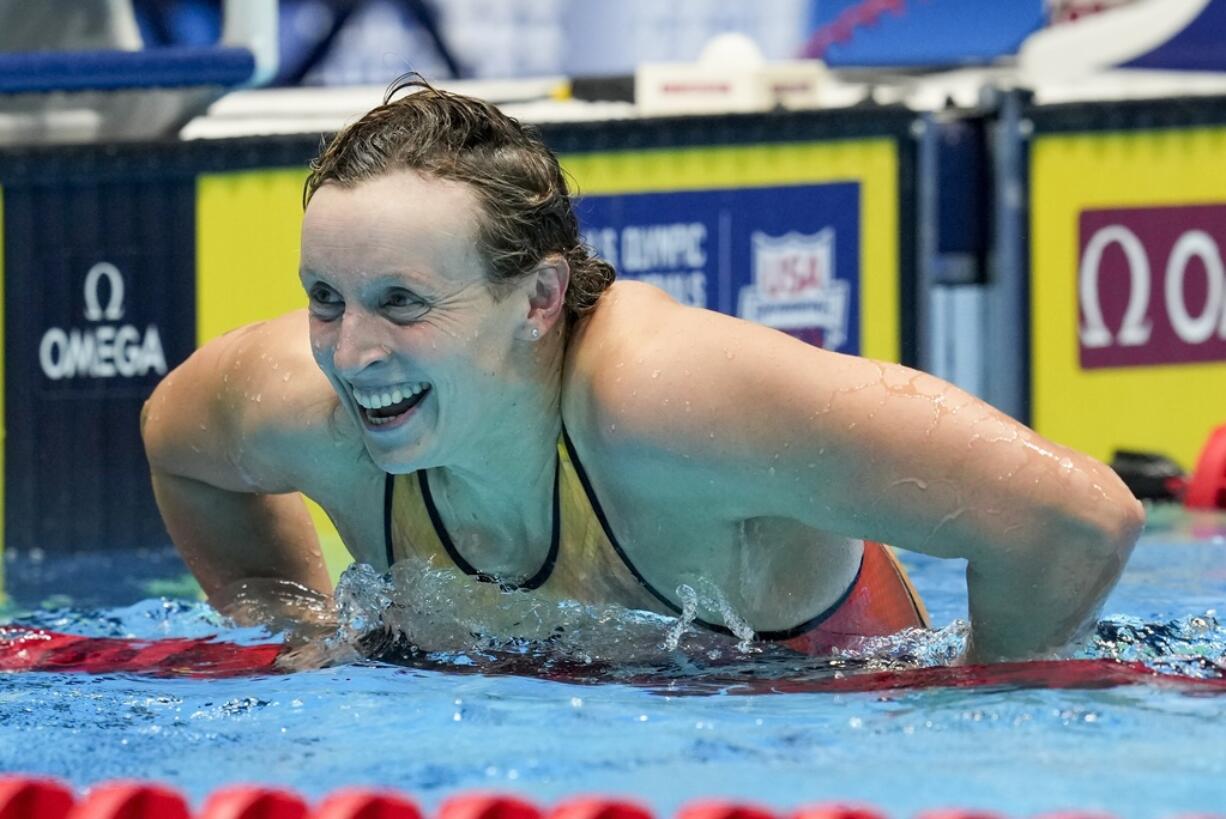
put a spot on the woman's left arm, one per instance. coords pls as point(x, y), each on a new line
point(879, 451)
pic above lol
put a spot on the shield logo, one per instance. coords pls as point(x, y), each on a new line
point(794, 288)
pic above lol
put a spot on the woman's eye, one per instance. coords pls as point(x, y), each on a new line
point(324, 300)
point(404, 302)
point(323, 295)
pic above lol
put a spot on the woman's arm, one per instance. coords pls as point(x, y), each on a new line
point(222, 460)
point(874, 450)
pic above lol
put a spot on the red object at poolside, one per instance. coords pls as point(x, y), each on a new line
point(488, 806)
point(32, 797)
point(353, 803)
point(720, 809)
point(33, 649)
point(837, 811)
point(249, 802)
point(958, 813)
point(1207, 487)
point(131, 800)
point(30, 649)
point(597, 808)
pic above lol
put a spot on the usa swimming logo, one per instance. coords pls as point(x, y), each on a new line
point(794, 288)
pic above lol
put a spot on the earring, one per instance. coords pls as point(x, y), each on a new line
point(536, 332)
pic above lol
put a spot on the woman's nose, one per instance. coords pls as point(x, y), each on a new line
point(360, 344)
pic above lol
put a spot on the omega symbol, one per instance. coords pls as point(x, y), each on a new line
point(114, 305)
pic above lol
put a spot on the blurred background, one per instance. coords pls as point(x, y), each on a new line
point(1025, 197)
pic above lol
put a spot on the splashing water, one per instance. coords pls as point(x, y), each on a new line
point(427, 617)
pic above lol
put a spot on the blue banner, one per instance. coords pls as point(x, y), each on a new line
point(787, 257)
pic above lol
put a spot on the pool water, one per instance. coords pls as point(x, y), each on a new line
point(440, 728)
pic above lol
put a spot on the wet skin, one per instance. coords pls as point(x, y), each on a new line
point(724, 453)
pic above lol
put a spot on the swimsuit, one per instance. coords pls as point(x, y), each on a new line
point(585, 563)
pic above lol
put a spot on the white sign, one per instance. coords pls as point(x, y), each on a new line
point(102, 349)
point(794, 287)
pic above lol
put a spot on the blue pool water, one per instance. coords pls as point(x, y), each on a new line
point(1135, 751)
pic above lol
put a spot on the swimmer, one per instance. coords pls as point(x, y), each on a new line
point(468, 388)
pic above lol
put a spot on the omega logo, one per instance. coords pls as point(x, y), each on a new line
point(102, 349)
point(1136, 328)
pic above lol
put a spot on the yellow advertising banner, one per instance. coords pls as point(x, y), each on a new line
point(1128, 289)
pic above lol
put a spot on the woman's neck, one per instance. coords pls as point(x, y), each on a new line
point(496, 497)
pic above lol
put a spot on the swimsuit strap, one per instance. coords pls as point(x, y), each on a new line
point(598, 511)
point(444, 538)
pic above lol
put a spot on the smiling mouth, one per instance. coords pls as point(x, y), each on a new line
point(382, 406)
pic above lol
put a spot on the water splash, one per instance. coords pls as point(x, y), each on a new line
point(1194, 645)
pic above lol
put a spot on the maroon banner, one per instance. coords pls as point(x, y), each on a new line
point(1151, 286)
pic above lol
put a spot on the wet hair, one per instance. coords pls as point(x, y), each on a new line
point(525, 202)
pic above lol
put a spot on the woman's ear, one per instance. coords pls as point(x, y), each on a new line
point(546, 290)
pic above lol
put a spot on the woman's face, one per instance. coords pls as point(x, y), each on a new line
point(402, 320)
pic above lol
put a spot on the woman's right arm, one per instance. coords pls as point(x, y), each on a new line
point(223, 434)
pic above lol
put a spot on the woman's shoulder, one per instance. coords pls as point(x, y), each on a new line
point(617, 381)
point(249, 410)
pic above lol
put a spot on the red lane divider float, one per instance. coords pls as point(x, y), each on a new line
point(596, 808)
point(718, 809)
point(248, 802)
point(130, 800)
point(366, 804)
point(35, 797)
point(837, 811)
point(23, 797)
point(488, 806)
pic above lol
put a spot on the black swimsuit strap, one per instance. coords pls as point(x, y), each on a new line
point(389, 493)
point(542, 574)
point(780, 634)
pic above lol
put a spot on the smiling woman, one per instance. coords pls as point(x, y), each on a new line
point(468, 392)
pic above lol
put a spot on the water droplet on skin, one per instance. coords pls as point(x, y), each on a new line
point(771, 470)
point(729, 354)
point(687, 406)
point(655, 373)
point(286, 377)
point(913, 481)
point(711, 435)
point(612, 427)
point(258, 397)
point(203, 427)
